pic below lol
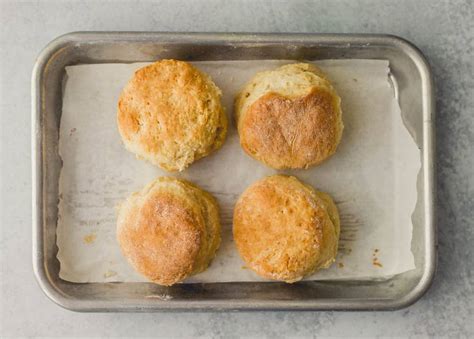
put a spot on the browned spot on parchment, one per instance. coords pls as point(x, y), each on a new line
point(375, 260)
point(90, 238)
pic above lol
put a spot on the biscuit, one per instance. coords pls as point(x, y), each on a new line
point(289, 117)
point(169, 231)
point(170, 114)
point(285, 230)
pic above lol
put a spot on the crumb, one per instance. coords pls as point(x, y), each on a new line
point(376, 250)
point(109, 274)
point(354, 79)
point(160, 297)
point(340, 265)
point(90, 238)
point(244, 267)
point(376, 262)
point(72, 131)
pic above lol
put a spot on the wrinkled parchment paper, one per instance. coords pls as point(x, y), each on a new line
point(372, 177)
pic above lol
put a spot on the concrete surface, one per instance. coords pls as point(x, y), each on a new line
point(442, 29)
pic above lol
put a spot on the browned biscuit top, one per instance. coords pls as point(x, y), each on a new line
point(302, 131)
point(289, 117)
point(169, 230)
point(164, 242)
point(282, 229)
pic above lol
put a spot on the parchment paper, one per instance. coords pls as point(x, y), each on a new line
point(372, 177)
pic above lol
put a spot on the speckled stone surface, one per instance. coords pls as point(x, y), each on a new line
point(442, 29)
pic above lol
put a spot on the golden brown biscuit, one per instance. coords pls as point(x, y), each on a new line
point(289, 117)
point(169, 231)
point(170, 114)
point(284, 229)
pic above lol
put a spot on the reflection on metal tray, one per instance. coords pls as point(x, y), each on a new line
point(412, 83)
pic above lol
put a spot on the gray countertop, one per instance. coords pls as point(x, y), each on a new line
point(443, 30)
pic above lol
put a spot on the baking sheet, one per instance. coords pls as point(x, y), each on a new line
point(372, 176)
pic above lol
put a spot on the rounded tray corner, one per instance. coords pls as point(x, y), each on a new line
point(49, 289)
point(414, 52)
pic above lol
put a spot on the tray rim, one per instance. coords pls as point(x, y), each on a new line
point(429, 187)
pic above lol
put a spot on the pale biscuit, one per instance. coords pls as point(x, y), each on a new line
point(170, 114)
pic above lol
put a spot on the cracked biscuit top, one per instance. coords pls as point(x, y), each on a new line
point(170, 114)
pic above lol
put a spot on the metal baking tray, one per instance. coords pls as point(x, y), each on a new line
point(412, 81)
